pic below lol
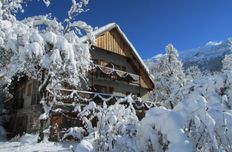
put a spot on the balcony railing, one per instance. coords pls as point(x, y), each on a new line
point(115, 74)
point(68, 96)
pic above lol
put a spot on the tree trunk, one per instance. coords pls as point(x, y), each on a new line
point(42, 91)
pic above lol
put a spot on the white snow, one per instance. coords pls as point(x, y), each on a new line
point(204, 53)
point(5, 24)
point(170, 123)
point(47, 2)
point(75, 132)
point(214, 43)
point(28, 143)
point(85, 146)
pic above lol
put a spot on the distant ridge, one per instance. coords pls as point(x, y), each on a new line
point(207, 57)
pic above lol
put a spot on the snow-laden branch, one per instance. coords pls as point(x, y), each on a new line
point(75, 9)
point(46, 21)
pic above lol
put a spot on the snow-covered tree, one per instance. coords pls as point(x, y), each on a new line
point(116, 124)
point(43, 49)
point(227, 73)
point(227, 63)
point(201, 114)
point(168, 74)
point(193, 72)
point(200, 121)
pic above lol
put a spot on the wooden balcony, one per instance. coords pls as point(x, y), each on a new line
point(114, 74)
point(68, 96)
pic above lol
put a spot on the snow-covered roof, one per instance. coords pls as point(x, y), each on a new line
point(111, 26)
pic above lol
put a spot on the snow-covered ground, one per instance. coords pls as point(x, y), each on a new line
point(28, 143)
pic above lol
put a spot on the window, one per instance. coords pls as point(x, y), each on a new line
point(100, 89)
point(103, 89)
point(118, 67)
point(24, 89)
point(123, 68)
point(111, 89)
point(19, 91)
point(95, 61)
point(110, 65)
point(29, 89)
point(103, 63)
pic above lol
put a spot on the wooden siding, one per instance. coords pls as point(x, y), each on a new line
point(114, 42)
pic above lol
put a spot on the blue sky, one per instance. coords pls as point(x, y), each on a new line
point(151, 24)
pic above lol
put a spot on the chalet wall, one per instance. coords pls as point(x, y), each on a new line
point(27, 94)
point(113, 42)
point(120, 88)
point(26, 120)
point(1, 99)
point(98, 53)
point(2, 94)
point(131, 67)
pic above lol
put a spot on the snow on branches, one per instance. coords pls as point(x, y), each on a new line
point(40, 45)
point(168, 75)
point(227, 63)
point(199, 118)
point(43, 49)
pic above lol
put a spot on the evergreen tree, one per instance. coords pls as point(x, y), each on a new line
point(168, 74)
point(193, 72)
point(227, 63)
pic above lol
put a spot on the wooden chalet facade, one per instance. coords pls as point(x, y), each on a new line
point(117, 70)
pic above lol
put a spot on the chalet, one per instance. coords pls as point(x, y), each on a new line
point(117, 68)
point(117, 71)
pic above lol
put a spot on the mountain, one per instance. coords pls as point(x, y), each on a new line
point(207, 57)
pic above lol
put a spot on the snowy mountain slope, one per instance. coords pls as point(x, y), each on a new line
point(207, 57)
